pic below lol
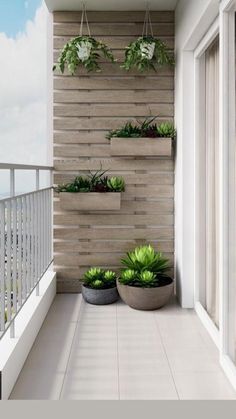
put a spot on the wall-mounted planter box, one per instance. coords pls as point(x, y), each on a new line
point(90, 201)
point(161, 147)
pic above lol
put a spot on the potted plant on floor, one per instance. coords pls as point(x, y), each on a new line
point(93, 192)
point(144, 283)
point(99, 287)
point(143, 139)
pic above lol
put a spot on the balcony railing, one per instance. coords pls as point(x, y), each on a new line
point(25, 244)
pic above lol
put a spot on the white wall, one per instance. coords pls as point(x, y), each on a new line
point(193, 18)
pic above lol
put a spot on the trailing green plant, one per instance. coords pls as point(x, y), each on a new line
point(97, 278)
point(147, 53)
point(116, 184)
point(144, 267)
point(145, 129)
point(167, 130)
point(82, 51)
point(93, 182)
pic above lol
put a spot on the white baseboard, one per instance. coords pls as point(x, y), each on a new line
point(208, 324)
point(13, 352)
point(229, 369)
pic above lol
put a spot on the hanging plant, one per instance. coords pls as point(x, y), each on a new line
point(147, 52)
point(83, 50)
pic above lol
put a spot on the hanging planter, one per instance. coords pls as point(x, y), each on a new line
point(83, 50)
point(147, 52)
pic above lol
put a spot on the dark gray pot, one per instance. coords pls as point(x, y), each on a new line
point(145, 298)
point(100, 297)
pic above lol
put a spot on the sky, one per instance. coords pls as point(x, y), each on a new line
point(23, 82)
point(15, 13)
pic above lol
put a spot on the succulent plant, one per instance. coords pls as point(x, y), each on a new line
point(145, 129)
point(147, 279)
point(97, 278)
point(128, 276)
point(94, 182)
point(167, 130)
point(144, 267)
point(116, 184)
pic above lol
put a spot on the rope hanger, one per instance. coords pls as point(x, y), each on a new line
point(84, 17)
point(147, 25)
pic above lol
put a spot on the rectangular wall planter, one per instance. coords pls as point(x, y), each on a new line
point(90, 201)
point(161, 147)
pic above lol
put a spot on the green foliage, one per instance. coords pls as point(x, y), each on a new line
point(167, 130)
point(97, 278)
point(116, 184)
point(145, 129)
point(94, 182)
point(147, 279)
point(128, 277)
point(144, 267)
point(91, 50)
point(147, 53)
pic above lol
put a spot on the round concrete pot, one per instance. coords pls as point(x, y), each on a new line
point(100, 297)
point(145, 298)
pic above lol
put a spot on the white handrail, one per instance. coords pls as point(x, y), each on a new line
point(23, 167)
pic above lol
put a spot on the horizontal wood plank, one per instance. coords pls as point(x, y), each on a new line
point(104, 110)
point(109, 246)
point(114, 164)
point(113, 17)
point(94, 123)
point(113, 220)
point(94, 259)
point(129, 96)
point(113, 29)
point(90, 83)
point(142, 234)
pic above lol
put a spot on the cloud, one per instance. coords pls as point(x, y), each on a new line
point(23, 93)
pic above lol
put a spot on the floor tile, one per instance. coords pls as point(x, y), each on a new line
point(204, 386)
point(193, 360)
point(147, 386)
point(96, 384)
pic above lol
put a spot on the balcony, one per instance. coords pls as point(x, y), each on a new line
point(54, 345)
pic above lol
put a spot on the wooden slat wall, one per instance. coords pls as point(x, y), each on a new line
point(86, 106)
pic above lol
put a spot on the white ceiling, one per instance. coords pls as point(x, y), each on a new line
point(96, 5)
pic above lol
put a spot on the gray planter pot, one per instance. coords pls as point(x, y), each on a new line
point(100, 297)
point(145, 298)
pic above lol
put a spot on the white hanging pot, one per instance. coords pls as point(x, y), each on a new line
point(84, 50)
point(147, 50)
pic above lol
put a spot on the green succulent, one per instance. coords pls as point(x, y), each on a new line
point(94, 182)
point(147, 279)
point(116, 184)
point(70, 55)
point(167, 130)
point(146, 258)
point(127, 131)
point(97, 278)
point(147, 53)
point(145, 129)
point(128, 277)
point(110, 276)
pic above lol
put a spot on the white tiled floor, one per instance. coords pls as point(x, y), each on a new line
point(86, 352)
